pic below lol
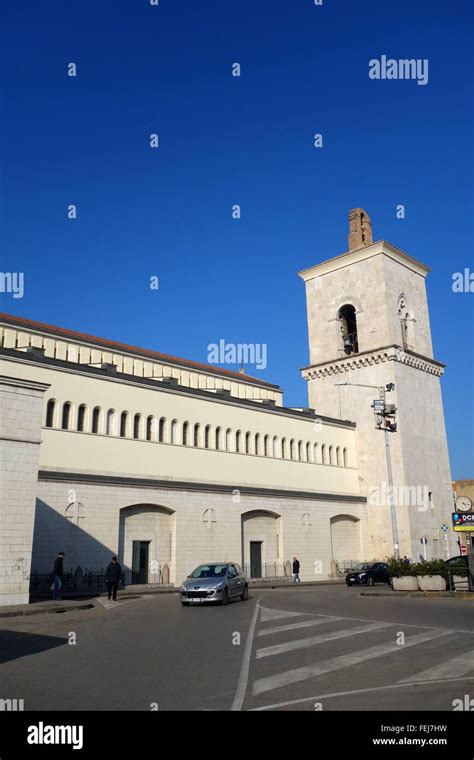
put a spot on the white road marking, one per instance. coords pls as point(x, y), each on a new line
point(453, 668)
point(110, 604)
point(268, 614)
point(336, 663)
point(304, 624)
point(405, 625)
point(245, 667)
point(388, 687)
point(289, 646)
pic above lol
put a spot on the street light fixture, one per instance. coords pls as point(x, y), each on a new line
point(385, 415)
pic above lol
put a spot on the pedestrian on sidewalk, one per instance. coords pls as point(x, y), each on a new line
point(296, 570)
point(112, 576)
point(58, 572)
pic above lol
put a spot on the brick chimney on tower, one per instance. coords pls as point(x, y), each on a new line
point(360, 229)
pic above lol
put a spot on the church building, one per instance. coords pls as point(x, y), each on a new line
point(108, 448)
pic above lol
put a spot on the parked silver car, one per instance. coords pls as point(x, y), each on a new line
point(217, 582)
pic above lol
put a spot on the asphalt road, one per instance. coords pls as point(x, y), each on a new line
point(313, 648)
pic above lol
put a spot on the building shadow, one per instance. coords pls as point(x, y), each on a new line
point(16, 644)
point(53, 533)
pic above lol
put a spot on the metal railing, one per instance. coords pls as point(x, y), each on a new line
point(343, 566)
point(71, 581)
point(43, 581)
point(80, 580)
point(268, 570)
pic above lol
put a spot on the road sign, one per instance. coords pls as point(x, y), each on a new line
point(463, 550)
point(445, 527)
point(424, 540)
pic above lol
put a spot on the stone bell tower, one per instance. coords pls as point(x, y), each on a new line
point(368, 325)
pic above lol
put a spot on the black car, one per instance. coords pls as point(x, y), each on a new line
point(368, 573)
point(460, 561)
point(453, 564)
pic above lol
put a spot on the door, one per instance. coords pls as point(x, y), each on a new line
point(255, 559)
point(140, 552)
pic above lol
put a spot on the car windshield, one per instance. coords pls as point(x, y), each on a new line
point(361, 566)
point(209, 571)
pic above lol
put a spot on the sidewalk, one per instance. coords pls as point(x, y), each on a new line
point(83, 600)
point(160, 588)
point(40, 608)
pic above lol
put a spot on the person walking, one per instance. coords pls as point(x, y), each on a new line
point(58, 572)
point(112, 576)
point(296, 570)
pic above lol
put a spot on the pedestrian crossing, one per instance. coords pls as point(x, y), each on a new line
point(294, 653)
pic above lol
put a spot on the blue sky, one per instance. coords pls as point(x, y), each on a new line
point(227, 140)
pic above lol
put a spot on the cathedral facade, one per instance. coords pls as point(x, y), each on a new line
point(108, 448)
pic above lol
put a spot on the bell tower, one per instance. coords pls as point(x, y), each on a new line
point(368, 327)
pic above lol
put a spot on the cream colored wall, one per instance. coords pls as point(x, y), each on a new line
point(86, 452)
point(193, 540)
point(82, 353)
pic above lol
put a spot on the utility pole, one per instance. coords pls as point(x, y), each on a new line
point(385, 418)
point(393, 511)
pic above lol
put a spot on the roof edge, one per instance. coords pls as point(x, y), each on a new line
point(66, 333)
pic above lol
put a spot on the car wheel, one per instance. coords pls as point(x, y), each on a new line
point(245, 594)
point(185, 604)
point(225, 597)
point(370, 581)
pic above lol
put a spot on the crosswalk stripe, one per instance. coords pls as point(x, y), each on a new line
point(304, 624)
point(310, 671)
point(289, 646)
point(268, 614)
point(454, 668)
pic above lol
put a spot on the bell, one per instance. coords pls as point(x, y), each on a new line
point(347, 342)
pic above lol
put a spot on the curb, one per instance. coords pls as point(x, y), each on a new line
point(418, 594)
point(46, 610)
point(146, 591)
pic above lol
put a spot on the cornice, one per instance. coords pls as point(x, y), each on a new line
point(173, 485)
point(381, 247)
point(370, 358)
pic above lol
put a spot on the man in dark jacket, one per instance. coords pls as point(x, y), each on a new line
point(296, 570)
point(58, 573)
point(112, 576)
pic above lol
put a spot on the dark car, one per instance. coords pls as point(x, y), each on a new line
point(453, 564)
point(368, 573)
point(216, 582)
point(460, 561)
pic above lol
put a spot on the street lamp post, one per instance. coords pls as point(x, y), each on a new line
point(382, 413)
